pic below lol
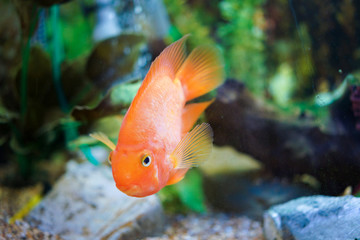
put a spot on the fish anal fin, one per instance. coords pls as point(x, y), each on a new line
point(104, 139)
point(191, 113)
point(194, 148)
point(202, 71)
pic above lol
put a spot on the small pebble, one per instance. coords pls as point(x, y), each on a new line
point(22, 230)
point(210, 227)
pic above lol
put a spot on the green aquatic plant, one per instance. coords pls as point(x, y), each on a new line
point(295, 52)
point(46, 105)
point(186, 20)
point(238, 28)
point(76, 29)
point(242, 38)
point(187, 195)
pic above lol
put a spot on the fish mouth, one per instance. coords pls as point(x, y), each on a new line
point(136, 191)
point(132, 190)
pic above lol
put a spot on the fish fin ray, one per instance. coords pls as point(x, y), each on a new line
point(167, 63)
point(170, 59)
point(202, 71)
point(191, 113)
point(104, 139)
point(194, 148)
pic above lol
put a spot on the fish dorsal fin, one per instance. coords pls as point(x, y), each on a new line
point(167, 63)
point(104, 139)
point(194, 148)
point(202, 71)
point(170, 59)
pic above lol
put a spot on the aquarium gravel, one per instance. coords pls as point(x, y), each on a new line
point(211, 226)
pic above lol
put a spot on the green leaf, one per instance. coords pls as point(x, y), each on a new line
point(18, 148)
point(353, 78)
point(191, 191)
point(10, 44)
point(123, 94)
point(327, 98)
point(3, 140)
point(6, 115)
point(116, 100)
point(41, 100)
point(169, 197)
point(185, 195)
point(110, 126)
point(39, 78)
point(76, 30)
point(113, 58)
point(82, 141)
point(78, 89)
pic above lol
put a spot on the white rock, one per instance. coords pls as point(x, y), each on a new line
point(85, 204)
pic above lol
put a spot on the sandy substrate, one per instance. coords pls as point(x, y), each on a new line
point(211, 226)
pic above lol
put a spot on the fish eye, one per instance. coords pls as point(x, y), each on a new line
point(146, 161)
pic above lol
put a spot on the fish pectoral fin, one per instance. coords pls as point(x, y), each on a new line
point(177, 177)
point(194, 148)
point(104, 139)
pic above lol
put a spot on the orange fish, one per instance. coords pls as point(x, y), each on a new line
point(155, 147)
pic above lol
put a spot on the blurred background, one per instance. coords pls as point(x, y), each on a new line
point(286, 121)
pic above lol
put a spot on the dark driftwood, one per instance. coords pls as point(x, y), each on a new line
point(288, 145)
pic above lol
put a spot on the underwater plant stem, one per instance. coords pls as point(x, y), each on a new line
point(70, 131)
point(296, 23)
point(87, 152)
point(25, 64)
point(21, 158)
point(301, 39)
point(57, 57)
point(23, 84)
point(24, 165)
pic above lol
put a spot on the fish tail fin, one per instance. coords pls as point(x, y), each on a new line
point(202, 71)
